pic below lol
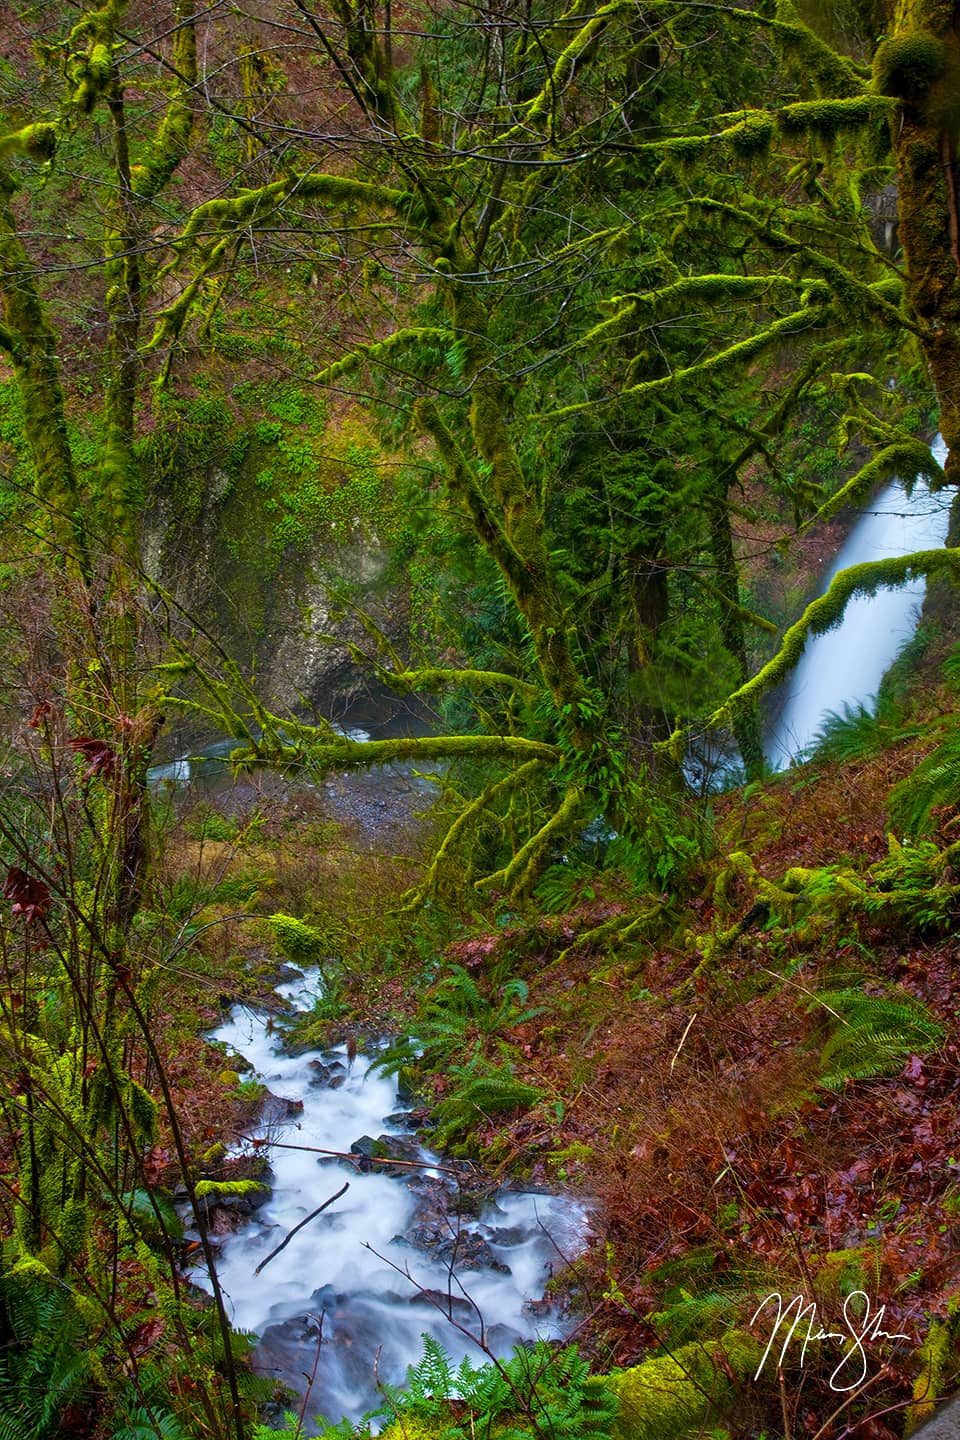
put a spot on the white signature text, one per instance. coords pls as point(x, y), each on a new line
point(861, 1329)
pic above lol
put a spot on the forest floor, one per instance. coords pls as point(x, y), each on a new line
point(701, 1085)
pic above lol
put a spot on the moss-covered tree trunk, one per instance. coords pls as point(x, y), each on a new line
point(747, 728)
point(919, 64)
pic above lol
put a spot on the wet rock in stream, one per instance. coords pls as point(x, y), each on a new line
point(451, 1245)
point(278, 1111)
point(330, 1075)
point(387, 1154)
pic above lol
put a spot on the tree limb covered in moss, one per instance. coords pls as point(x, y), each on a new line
point(795, 323)
point(855, 294)
point(470, 813)
point(252, 207)
point(342, 753)
point(32, 347)
point(749, 617)
point(832, 70)
point(518, 875)
point(905, 460)
point(462, 481)
point(37, 141)
point(432, 678)
point(701, 290)
point(379, 350)
point(821, 615)
point(753, 133)
point(566, 62)
point(171, 142)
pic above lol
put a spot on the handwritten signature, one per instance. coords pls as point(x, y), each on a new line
point(861, 1330)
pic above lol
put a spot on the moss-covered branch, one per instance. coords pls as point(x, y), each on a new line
point(463, 483)
point(905, 460)
point(754, 132)
point(32, 347)
point(732, 607)
point(38, 142)
point(470, 813)
point(170, 322)
point(380, 350)
point(566, 62)
point(252, 207)
point(342, 753)
point(520, 872)
point(430, 679)
point(856, 296)
point(808, 317)
point(825, 612)
point(699, 291)
point(171, 142)
point(833, 72)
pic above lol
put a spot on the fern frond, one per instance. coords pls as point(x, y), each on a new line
point(859, 730)
point(934, 783)
point(693, 1317)
point(492, 1094)
point(142, 1424)
point(875, 1034)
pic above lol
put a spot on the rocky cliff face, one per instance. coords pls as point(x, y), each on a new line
point(287, 612)
point(273, 536)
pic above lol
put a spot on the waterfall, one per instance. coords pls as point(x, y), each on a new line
point(846, 665)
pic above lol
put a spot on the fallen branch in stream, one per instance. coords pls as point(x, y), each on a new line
point(360, 1160)
point(312, 1216)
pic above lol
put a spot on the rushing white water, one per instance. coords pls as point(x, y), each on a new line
point(846, 665)
point(365, 1263)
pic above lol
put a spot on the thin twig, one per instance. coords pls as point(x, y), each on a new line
point(676, 1053)
point(848, 1400)
point(316, 1358)
point(312, 1216)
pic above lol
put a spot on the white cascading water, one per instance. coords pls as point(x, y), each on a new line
point(348, 1264)
point(846, 665)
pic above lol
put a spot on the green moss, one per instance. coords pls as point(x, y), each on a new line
point(753, 135)
point(38, 141)
point(829, 117)
point(669, 1395)
point(412, 1428)
point(906, 66)
point(206, 1189)
point(300, 943)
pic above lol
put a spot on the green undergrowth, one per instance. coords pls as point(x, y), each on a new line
point(546, 1392)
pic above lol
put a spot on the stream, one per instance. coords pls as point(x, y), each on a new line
point(392, 1259)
